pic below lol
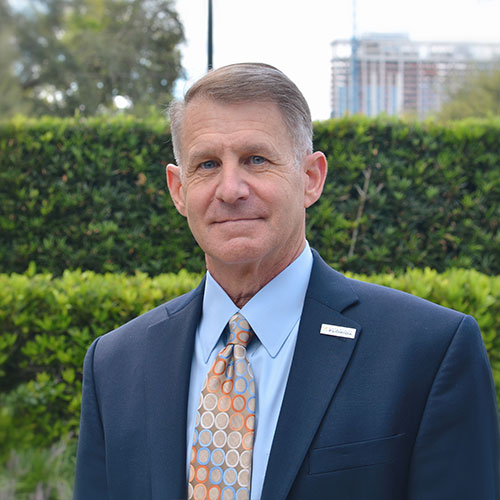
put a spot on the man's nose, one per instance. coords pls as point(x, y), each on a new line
point(231, 183)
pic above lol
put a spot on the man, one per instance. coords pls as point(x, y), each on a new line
point(357, 391)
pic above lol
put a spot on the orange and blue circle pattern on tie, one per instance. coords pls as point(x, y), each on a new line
point(221, 457)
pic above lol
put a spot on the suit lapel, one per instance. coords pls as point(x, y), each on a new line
point(317, 369)
point(169, 351)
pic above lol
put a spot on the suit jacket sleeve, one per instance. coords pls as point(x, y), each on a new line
point(456, 450)
point(90, 479)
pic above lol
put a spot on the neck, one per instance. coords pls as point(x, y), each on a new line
point(241, 281)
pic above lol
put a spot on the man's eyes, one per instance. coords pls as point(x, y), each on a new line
point(251, 160)
point(257, 160)
point(208, 165)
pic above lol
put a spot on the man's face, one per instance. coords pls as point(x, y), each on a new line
point(240, 188)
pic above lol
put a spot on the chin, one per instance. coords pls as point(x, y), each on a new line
point(234, 253)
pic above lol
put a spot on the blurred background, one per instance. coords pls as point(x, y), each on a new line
point(400, 57)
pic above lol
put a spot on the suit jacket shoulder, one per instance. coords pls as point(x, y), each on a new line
point(380, 307)
point(128, 335)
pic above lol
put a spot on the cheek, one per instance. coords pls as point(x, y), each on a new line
point(194, 210)
point(195, 197)
point(292, 205)
point(291, 196)
point(197, 208)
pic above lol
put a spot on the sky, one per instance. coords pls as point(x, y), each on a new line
point(295, 36)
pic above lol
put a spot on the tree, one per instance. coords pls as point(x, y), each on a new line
point(478, 96)
point(11, 95)
point(82, 54)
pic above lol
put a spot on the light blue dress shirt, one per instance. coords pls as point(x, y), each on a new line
point(274, 314)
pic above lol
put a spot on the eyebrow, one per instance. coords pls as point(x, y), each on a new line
point(200, 155)
point(259, 148)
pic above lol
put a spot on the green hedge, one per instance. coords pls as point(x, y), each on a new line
point(47, 323)
point(46, 326)
point(432, 196)
point(91, 194)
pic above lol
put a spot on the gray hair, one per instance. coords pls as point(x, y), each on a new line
point(250, 82)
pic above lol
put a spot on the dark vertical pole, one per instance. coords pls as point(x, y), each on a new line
point(210, 38)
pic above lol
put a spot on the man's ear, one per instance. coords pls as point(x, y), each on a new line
point(174, 182)
point(315, 167)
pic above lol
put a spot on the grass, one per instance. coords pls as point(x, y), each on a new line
point(40, 474)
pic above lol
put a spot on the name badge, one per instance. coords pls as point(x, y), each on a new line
point(338, 331)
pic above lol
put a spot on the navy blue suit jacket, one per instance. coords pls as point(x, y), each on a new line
point(404, 411)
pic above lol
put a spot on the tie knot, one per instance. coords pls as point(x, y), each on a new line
point(240, 332)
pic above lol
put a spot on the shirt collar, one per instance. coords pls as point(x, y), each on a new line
point(217, 309)
point(272, 312)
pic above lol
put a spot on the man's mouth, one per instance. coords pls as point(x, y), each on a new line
point(236, 219)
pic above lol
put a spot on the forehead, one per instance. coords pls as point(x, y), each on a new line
point(207, 122)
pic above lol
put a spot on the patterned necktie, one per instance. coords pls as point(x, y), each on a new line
point(221, 457)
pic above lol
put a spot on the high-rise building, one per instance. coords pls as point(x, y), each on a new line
point(392, 74)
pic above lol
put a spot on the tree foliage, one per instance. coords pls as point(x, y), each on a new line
point(91, 194)
point(79, 55)
point(11, 96)
point(478, 96)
